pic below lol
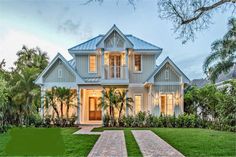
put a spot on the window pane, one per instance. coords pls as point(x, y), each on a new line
point(137, 62)
point(92, 64)
point(138, 103)
point(169, 104)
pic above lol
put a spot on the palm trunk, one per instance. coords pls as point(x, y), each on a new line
point(120, 111)
point(61, 110)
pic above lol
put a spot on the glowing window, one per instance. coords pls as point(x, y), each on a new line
point(138, 103)
point(92, 64)
point(137, 63)
point(169, 104)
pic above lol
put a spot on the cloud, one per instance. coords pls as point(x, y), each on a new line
point(69, 26)
point(13, 39)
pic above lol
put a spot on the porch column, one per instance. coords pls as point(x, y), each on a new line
point(42, 98)
point(182, 97)
point(102, 63)
point(150, 99)
point(103, 112)
point(78, 103)
point(126, 63)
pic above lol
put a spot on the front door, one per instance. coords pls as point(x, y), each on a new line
point(167, 104)
point(95, 112)
point(114, 63)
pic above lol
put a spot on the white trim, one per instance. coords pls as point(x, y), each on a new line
point(60, 84)
point(136, 85)
point(59, 73)
point(141, 60)
point(89, 64)
point(167, 83)
point(142, 104)
point(167, 74)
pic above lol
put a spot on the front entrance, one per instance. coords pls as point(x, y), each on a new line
point(95, 112)
point(167, 104)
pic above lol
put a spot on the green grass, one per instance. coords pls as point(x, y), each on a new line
point(45, 141)
point(131, 144)
point(199, 142)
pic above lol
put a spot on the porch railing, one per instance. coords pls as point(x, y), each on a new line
point(115, 72)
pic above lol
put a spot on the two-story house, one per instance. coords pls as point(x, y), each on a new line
point(120, 61)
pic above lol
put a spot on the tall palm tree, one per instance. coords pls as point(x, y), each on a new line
point(51, 100)
point(68, 102)
point(123, 101)
point(223, 53)
point(62, 94)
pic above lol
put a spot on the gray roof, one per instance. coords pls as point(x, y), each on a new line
point(72, 63)
point(199, 82)
point(231, 74)
point(138, 43)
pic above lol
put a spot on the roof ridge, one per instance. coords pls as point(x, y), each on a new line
point(85, 42)
point(145, 41)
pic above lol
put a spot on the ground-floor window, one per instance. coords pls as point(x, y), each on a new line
point(137, 103)
point(167, 104)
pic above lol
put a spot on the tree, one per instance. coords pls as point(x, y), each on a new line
point(51, 100)
point(124, 101)
point(62, 94)
point(187, 16)
point(3, 102)
point(223, 53)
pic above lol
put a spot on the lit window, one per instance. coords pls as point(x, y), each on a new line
point(59, 73)
point(138, 103)
point(92, 64)
point(167, 74)
point(169, 104)
point(137, 63)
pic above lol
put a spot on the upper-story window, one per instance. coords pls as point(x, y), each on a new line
point(59, 73)
point(167, 74)
point(92, 64)
point(137, 63)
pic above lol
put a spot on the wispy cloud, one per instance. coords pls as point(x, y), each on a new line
point(69, 26)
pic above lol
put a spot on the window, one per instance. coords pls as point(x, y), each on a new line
point(92, 64)
point(138, 103)
point(137, 63)
point(59, 73)
point(169, 104)
point(167, 75)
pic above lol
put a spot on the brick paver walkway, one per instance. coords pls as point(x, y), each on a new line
point(87, 130)
point(152, 145)
point(110, 144)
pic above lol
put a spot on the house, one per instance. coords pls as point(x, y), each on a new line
point(120, 61)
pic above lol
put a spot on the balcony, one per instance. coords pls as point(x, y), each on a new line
point(115, 75)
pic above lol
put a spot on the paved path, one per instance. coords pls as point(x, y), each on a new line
point(87, 130)
point(110, 144)
point(152, 145)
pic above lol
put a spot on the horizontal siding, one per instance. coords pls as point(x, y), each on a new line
point(148, 66)
point(52, 74)
point(82, 66)
point(160, 76)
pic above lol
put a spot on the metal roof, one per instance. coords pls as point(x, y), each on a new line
point(138, 43)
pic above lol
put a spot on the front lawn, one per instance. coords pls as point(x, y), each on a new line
point(189, 141)
point(45, 141)
point(199, 142)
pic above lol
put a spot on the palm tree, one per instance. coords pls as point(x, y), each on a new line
point(68, 102)
point(109, 100)
point(51, 100)
point(223, 53)
point(62, 94)
point(124, 101)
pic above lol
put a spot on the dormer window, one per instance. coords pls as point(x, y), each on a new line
point(137, 63)
point(167, 74)
point(92, 64)
point(59, 73)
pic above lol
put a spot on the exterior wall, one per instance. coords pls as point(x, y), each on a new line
point(52, 74)
point(139, 90)
point(173, 77)
point(82, 66)
point(148, 66)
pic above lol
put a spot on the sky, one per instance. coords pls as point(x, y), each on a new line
point(57, 25)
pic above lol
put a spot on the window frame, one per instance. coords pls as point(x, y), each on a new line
point(141, 60)
point(59, 71)
point(92, 72)
point(167, 74)
point(138, 94)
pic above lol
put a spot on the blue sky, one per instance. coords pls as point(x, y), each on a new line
point(55, 26)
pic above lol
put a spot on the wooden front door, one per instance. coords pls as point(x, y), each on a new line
point(95, 112)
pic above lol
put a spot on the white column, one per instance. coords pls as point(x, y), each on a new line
point(126, 63)
point(42, 99)
point(78, 103)
point(103, 111)
point(150, 99)
point(102, 63)
point(182, 97)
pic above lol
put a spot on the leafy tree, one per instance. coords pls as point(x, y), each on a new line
point(223, 54)
point(51, 100)
point(62, 94)
point(124, 101)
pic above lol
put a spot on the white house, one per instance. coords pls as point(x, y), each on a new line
point(116, 60)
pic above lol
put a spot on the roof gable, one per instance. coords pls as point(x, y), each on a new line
point(150, 79)
point(39, 80)
point(128, 43)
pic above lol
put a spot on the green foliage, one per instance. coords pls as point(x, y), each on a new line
point(223, 53)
